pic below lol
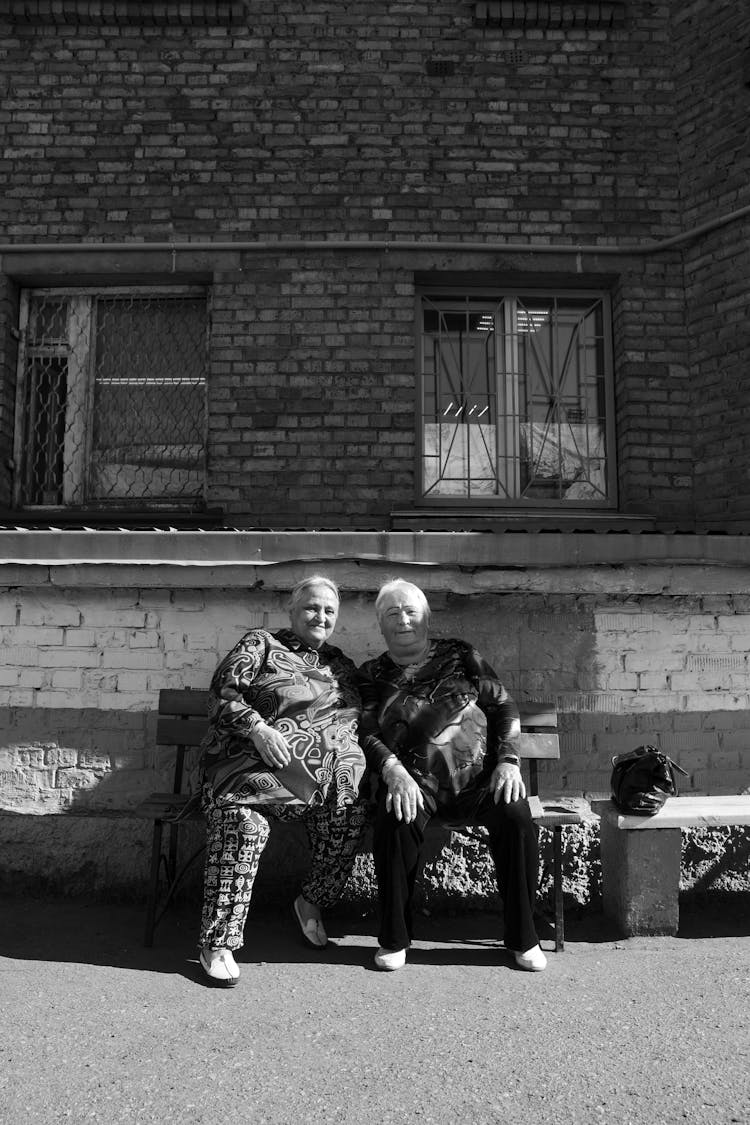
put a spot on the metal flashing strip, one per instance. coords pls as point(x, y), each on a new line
point(466, 550)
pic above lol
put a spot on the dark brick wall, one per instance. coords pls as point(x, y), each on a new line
point(712, 98)
point(321, 120)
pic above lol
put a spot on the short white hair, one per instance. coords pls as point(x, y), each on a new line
point(400, 584)
point(304, 585)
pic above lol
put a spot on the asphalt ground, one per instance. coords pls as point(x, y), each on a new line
point(644, 1031)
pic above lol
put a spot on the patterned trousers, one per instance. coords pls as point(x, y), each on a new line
point(236, 837)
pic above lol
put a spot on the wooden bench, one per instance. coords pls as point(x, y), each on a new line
point(181, 724)
point(641, 858)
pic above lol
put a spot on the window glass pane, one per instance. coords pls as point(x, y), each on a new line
point(514, 398)
point(45, 430)
point(460, 399)
point(149, 390)
point(114, 398)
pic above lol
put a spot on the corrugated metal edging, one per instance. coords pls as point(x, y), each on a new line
point(471, 550)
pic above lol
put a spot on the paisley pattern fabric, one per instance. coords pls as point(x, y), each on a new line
point(447, 719)
point(310, 696)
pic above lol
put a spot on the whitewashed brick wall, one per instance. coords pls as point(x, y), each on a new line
point(81, 669)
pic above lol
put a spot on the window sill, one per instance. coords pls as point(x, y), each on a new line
point(134, 519)
point(528, 520)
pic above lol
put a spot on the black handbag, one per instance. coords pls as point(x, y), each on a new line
point(642, 780)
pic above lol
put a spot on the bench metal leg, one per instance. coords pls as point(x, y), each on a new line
point(558, 883)
point(172, 873)
point(153, 886)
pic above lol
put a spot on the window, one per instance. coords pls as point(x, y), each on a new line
point(516, 396)
point(111, 396)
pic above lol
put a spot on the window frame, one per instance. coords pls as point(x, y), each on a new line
point(80, 388)
point(498, 504)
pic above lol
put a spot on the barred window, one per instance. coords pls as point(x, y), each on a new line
point(517, 399)
point(111, 401)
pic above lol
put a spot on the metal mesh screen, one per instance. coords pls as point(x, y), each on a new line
point(113, 400)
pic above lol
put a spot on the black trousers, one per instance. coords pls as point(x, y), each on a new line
point(513, 843)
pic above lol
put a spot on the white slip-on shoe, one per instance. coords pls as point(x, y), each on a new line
point(313, 930)
point(220, 966)
point(533, 960)
point(390, 959)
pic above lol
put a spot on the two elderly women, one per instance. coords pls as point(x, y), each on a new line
point(289, 719)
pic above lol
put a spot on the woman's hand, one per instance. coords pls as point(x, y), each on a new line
point(404, 795)
point(271, 745)
point(507, 783)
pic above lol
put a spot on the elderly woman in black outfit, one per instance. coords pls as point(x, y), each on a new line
point(282, 744)
point(442, 731)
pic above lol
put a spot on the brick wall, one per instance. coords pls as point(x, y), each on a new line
point(312, 385)
point(711, 97)
point(321, 118)
point(319, 121)
point(81, 670)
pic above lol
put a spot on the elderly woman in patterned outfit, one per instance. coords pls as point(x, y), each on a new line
point(442, 732)
point(282, 745)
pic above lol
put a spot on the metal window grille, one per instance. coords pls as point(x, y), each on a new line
point(111, 398)
point(517, 400)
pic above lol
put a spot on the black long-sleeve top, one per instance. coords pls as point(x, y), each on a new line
point(448, 719)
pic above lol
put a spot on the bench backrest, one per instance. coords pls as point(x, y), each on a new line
point(182, 722)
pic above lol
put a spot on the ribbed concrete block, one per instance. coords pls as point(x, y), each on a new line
point(640, 877)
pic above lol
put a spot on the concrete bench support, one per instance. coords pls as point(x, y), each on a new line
point(640, 878)
point(641, 858)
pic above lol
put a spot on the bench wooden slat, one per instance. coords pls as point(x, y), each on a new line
point(551, 811)
point(538, 738)
point(172, 731)
point(185, 701)
point(689, 812)
point(539, 745)
point(537, 716)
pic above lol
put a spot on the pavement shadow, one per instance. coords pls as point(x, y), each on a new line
point(75, 931)
point(714, 915)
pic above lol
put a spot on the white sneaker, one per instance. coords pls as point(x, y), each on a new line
point(390, 959)
point(533, 960)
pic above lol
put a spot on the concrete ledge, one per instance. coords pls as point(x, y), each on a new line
point(689, 812)
point(465, 563)
point(263, 548)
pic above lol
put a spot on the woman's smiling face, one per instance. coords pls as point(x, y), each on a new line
point(404, 620)
point(313, 617)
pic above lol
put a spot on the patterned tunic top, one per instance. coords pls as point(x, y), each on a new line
point(308, 695)
point(448, 719)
